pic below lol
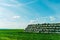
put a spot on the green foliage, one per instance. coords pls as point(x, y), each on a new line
point(17, 34)
point(38, 36)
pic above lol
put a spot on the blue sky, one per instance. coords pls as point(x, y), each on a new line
point(17, 14)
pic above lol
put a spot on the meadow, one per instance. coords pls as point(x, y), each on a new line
point(19, 34)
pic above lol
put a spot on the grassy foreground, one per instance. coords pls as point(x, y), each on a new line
point(9, 34)
point(18, 34)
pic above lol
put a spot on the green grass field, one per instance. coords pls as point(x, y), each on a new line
point(18, 34)
point(9, 34)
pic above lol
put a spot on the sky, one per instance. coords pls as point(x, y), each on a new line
point(17, 14)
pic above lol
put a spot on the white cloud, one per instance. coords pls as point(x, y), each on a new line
point(6, 20)
point(31, 2)
point(7, 16)
point(43, 20)
point(52, 18)
point(16, 17)
point(6, 4)
point(17, 4)
point(32, 21)
point(12, 3)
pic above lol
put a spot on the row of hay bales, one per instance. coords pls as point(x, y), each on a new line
point(43, 28)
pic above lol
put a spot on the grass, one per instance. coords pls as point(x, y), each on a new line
point(38, 36)
point(19, 34)
point(9, 34)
